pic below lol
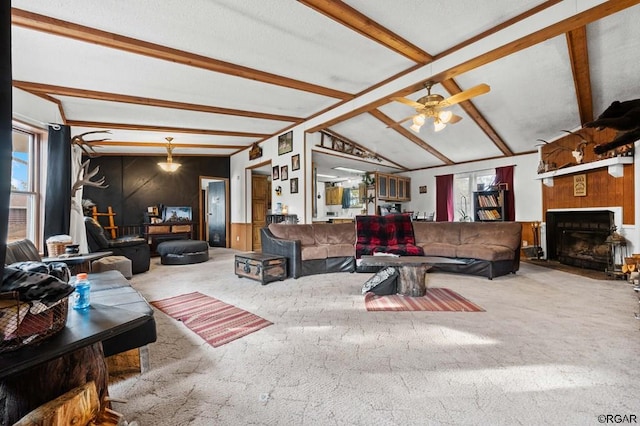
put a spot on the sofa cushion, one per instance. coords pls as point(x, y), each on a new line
point(507, 234)
point(304, 233)
point(437, 232)
point(335, 233)
point(491, 252)
point(439, 249)
point(340, 250)
point(314, 252)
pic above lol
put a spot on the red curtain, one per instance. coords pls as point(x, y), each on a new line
point(505, 175)
point(444, 198)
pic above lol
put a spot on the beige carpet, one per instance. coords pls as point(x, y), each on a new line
point(551, 348)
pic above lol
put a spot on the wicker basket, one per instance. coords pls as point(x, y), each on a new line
point(55, 249)
point(28, 323)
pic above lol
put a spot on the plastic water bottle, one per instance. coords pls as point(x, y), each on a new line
point(82, 295)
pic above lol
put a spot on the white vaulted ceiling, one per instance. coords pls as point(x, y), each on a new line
point(220, 75)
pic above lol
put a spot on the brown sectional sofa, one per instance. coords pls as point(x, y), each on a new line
point(488, 249)
point(312, 249)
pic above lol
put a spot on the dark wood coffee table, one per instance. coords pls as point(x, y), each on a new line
point(78, 262)
point(412, 269)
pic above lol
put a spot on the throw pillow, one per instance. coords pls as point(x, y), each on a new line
point(382, 283)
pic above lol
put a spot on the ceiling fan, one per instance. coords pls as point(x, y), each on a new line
point(433, 106)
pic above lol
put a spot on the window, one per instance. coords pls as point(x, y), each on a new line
point(464, 184)
point(24, 204)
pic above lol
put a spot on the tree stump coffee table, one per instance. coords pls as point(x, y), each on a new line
point(412, 280)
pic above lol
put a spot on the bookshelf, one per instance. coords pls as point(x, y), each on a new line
point(489, 206)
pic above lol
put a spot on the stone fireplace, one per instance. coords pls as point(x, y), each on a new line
point(577, 237)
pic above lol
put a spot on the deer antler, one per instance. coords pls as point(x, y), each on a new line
point(86, 145)
point(84, 178)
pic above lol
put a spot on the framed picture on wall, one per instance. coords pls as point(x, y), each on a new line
point(295, 162)
point(284, 172)
point(285, 143)
point(294, 185)
point(275, 173)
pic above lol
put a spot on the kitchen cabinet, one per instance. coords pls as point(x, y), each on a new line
point(392, 187)
point(333, 195)
point(382, 186)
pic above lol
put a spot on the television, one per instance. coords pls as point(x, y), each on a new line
point(176, 214)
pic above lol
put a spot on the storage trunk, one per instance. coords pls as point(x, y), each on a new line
point(261, 267)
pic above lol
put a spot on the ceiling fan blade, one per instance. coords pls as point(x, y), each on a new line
point(478, 90)
point(397, 123)
point(409, 102)
point(454, 119)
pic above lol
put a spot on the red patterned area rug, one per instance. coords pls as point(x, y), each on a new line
point(436, 299)
point(213, 320)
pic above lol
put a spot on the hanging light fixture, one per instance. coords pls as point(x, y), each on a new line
point(169, 165)
point(438, 125)
point(445, 116)
point(418, 121)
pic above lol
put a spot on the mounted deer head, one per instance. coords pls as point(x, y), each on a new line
point(84, 178)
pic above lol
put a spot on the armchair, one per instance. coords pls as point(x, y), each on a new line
point(134, 248)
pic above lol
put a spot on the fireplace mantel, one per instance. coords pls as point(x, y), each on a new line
point(614, 164)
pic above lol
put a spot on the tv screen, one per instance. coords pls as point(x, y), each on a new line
point(176, 214)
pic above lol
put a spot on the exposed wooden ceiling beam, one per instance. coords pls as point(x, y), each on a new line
point(452, 87)
point(559, 28)
point(123, 126)
point(497, 28)
point(350, 17)
point(62, 28)
point(597, 12)
point(579, 56)
point(339, 136)
point(164, 145)
point(407, 134)
point(139, 100)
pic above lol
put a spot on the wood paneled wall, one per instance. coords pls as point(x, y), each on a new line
point(603, 190)
point(137, 182)
point(241, 236)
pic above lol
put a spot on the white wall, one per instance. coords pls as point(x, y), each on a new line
point(240, 166)
point(527, 189)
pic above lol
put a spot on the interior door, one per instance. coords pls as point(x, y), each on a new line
point(259, 193)
point(217, 215)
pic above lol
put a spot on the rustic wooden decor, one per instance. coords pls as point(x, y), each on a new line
point(580, 185)
point(255, 151)
point(577, 148)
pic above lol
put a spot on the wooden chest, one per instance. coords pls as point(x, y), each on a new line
point(261, 267)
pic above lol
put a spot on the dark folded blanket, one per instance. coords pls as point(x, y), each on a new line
point(31, 285)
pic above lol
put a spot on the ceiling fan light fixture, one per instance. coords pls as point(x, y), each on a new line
point(445, 116)
point(169, 165)
point(418, 120)
point(438, 125)
point(415, 128)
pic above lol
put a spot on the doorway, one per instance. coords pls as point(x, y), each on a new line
point(260, 201)
point(214, 211)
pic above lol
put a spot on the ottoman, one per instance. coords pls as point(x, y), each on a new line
point(113, 263)
point(183, 252)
